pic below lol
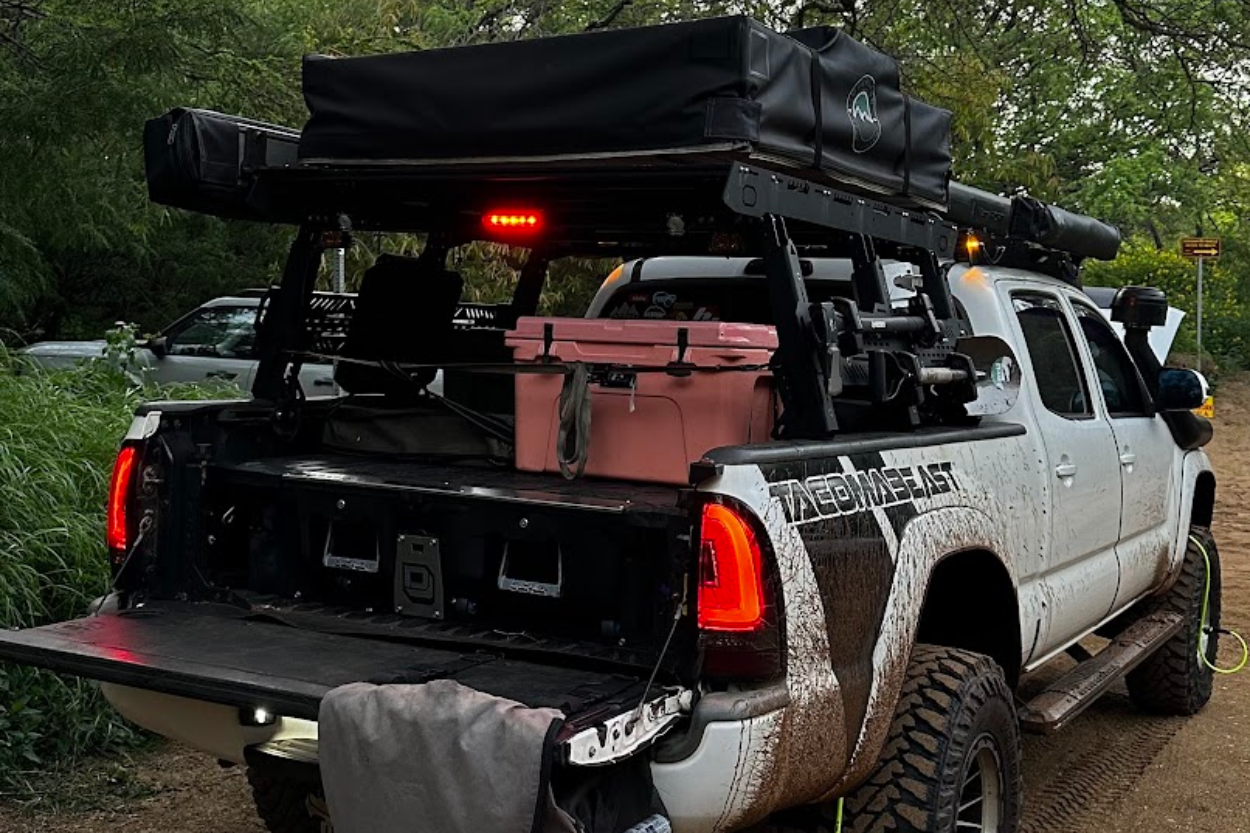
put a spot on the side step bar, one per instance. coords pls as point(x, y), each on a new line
point(1072, 693)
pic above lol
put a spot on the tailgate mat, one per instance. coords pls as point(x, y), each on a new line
point(214, 654)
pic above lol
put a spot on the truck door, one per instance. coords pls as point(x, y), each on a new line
point(215, 342)
point(1146, 455)
point(1082, 572)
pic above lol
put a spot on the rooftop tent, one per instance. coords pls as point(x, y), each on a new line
point(726, 86)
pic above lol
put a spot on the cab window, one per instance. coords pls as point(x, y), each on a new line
point(1052, 349)
point(1121, 385)
point(219, 332)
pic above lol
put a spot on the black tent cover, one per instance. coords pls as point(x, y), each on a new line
point(814, 97)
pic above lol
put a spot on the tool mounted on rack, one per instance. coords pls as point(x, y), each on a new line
point(902, 363)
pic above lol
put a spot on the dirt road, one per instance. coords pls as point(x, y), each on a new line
point(1112, 771)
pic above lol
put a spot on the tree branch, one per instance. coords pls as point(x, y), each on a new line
point(610, 18)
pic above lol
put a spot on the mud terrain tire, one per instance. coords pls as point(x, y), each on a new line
point(284, 805)
point(1175, 680)
point(953, 752)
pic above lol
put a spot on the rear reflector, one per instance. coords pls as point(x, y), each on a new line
point(731, 587)
point(117, 530)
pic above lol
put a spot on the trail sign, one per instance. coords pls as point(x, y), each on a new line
point(1200, 249)
point(1200, 246)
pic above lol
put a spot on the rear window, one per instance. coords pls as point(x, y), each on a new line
point(741, 300)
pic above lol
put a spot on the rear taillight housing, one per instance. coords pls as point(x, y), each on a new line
point(739, 623)
point(119, 525)
point(731, 580)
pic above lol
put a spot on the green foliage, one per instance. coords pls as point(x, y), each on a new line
point(1226, 333)
point(58, 437)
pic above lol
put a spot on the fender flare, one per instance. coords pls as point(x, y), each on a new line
point(927, 540)
point(1194, 465)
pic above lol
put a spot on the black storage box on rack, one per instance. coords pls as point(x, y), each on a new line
point(204, 161)
point(815, 97)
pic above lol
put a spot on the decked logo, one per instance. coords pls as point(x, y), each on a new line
point(861, 108)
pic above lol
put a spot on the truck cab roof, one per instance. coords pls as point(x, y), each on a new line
point(722, 288)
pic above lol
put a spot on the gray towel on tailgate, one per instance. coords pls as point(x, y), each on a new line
point(437, 757)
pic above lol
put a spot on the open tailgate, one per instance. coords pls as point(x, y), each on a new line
point(213, 653)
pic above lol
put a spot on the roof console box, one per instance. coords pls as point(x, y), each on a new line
point(814, 98)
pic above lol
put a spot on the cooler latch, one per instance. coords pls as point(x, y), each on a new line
point(681, 367)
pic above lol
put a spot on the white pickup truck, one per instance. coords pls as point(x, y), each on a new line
point(909, 579)
point(761, 542)
point(215, 341)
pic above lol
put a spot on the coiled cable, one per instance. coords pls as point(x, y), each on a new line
point(573, 438)
point(1205, 631)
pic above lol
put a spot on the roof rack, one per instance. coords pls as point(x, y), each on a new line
point(901, 364)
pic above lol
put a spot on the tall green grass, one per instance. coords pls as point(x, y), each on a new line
point(59, 434)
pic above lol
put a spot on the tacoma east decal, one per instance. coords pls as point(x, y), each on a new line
point(846, 493)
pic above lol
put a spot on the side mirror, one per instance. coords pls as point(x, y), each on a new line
point(1180, 390)
point(159, 346)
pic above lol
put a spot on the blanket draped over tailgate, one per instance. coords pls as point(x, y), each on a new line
point(437, 757)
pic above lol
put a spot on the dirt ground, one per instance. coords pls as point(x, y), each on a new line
point(1112, 771)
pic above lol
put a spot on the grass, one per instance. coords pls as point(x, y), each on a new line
point(59, 434)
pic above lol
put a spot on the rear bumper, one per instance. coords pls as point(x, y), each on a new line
point(209, 727)
point(703, 789)
point(709, 777)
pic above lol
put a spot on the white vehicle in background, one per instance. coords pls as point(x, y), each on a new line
point(215, 341)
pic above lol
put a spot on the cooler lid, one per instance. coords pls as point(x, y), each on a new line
point(642, 331)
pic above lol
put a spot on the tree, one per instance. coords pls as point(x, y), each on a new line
point(1132, 110)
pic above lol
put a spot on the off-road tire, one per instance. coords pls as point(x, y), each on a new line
point(1174, 680)
point(284, 804)
point(953, 704)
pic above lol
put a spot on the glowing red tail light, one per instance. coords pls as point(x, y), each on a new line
point(513, 222)
point(731, 586)
point(117, 530)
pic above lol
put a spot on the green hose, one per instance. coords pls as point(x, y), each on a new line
point(1206, 604)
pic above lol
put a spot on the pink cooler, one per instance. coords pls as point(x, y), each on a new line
point(673, 421)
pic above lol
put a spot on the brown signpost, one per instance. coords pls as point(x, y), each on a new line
point(1199, 249)
point(1196, 247)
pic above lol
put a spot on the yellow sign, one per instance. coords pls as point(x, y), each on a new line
point(1201, 246)
point(1208, 408)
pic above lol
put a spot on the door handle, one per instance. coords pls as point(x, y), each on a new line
point(1128, 458)
point(1066, 470)
point(323, 382)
